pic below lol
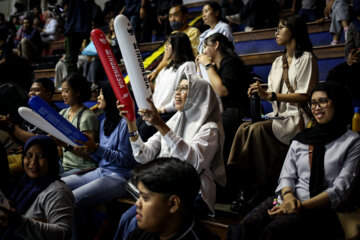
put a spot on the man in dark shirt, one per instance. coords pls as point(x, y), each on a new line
point(168, 188)
point(30, 45)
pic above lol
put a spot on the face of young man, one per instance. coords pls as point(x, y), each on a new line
point(153, 210)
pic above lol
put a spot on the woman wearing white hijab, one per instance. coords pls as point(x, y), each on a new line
point(194, 134)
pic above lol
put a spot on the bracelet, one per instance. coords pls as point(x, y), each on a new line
point(198, 73)
point(134, 134)
point(155, 71)
point(286, 192)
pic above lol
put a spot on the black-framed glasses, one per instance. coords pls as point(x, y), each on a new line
point(37, 156)
point(322, 103)
point(182, 89)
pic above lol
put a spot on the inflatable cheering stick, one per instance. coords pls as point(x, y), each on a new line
point(56, 120)
point(113, 72)
point(133, 61)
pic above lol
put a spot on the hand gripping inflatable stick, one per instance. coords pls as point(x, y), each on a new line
point(133, 61)
point(113, 72)
point(55, 119)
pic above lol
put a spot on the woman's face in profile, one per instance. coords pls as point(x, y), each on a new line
point(180, 94)
point(101, 100)
point(35, 162)
point(282, 35)
point(208, 15)
point(322, 107)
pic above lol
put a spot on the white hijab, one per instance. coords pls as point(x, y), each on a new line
point(201, 107)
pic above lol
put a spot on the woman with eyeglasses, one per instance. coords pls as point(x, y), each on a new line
point(318, 176)
point(181, 59)
point(259, 149)
point(42, 205)
point(194, 135)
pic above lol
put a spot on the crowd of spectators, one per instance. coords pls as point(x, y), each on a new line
point(194, 144)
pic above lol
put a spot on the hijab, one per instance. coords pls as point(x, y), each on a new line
point(322, 134)
point(201, 107)
point(112, 117)
point(28, 189)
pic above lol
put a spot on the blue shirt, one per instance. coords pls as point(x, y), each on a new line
point(114, 152)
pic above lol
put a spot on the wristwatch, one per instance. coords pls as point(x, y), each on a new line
point(134, 134)
point(273, 96)
point(207, 66)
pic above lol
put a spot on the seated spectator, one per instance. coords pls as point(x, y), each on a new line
point(16, 22)
point(211, 15)
point(43, 204)
point(162, 13)
point(194, 135)
point(230, 80)
point(347, 73)
point(75, 91)
point(318, 175)
point(37, 24)
point(180, 60)
point(338, 10)
point(259, 149)
point(114, 155)
point(49, 33)
point(29, 41)
point(178, 17)
point(168, 187)
point(42, 87)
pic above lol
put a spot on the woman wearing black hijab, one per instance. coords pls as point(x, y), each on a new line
point(43, 205)
point(317, 177)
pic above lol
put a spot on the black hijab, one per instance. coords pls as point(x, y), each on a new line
point(322, 134)
point(112, 117)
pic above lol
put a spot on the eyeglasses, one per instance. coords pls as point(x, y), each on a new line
point(322, 103)
point(182, 89)
point(37, 156)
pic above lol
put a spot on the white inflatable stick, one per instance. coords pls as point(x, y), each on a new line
point(130, 52)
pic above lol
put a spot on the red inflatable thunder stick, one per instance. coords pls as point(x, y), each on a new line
point(113, 71)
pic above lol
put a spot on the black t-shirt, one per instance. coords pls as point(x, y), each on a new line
point(192, 231)
point(236, 78)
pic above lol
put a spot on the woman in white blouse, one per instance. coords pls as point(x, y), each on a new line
point(194, 134)
point(260, 148)
point(180, 57)
point(318, 176)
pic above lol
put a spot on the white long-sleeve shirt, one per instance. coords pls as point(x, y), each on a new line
point(341, 163)
point(199, 153)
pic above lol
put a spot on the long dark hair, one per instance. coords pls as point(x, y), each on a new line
point(226, 47)
point(181, 49)
point(299, 32)
point(111, 113)
point(80, 85)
